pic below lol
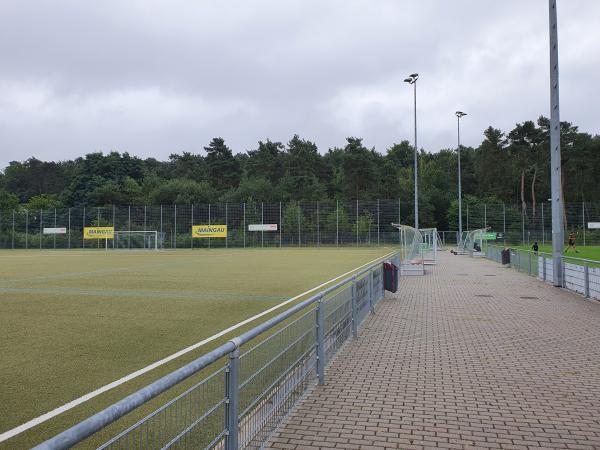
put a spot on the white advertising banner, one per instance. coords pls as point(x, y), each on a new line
point(263, 227)
point(594, 225)
point(55, 231)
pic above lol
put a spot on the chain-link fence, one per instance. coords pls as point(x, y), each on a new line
point(330, 223)
point(528, 224)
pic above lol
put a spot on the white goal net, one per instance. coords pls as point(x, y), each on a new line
point(411, 250)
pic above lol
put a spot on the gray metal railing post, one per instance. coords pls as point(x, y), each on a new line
point(586, 280)
point(544, 268)
point(354, 312)
point(529, 263)
point(564, 274)
point(320, 311)
point(231, 405)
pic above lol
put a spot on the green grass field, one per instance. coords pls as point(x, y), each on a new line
point(73, 321)
point(587, 252)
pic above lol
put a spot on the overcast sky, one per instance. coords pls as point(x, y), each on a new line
point(159, 77)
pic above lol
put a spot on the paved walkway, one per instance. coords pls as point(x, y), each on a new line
point(469, 356)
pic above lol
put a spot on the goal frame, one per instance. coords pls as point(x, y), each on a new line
point(136, 233)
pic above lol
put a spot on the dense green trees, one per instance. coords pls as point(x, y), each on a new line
point(510, 167)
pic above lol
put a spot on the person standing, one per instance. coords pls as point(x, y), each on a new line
point(572, 237)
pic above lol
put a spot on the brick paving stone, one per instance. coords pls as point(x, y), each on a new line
point(440, 366)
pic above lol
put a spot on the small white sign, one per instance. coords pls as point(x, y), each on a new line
point(594, 225)
point(55, 231)
point(263, 227)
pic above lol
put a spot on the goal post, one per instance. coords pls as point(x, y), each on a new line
point(430, 245)
point(144, 240)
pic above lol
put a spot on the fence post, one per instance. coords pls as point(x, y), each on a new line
point(175, 226)
point(399, 221)
point(371, 299)
point(529, 263)
point(280, 227)
point(504, 222)
point(13, 229)
point(354, 312)
point(321, 341)
point(377, 221)
point(244, 225)
point(192, 220)
point(231, 405)
point(357, 222)
point(227, 225)
point(129, 226)
point(485, 215)
point(299, 238)
point(583, 220)
point(98, 223)
point(41, 222)
point(586, 279)
point(467, 218)
point(318, 227)
point(209, 223)
point(262, 221)
point(543, 227)
point(337, 222)
point(522, 225)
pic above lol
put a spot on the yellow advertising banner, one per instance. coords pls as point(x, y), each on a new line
point(208, 231)
point(98, 232)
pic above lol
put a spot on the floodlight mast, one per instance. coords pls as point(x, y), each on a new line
point(412, 79)
point(555, 153)
point(459, 114)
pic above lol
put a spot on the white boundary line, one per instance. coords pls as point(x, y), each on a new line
point(78, 401)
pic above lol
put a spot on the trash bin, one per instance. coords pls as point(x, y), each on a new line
point(390, 277)
point(506, 256)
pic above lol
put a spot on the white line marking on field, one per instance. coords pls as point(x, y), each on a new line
point(78, 401)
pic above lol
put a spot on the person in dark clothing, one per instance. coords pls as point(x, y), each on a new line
point(535, 247)
point(572, 237)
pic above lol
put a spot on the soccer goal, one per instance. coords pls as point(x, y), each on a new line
point(135, 240)
point(431, 245)
point(474, 242)
point(411, 250)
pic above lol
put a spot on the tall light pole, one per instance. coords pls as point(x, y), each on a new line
point(555, 157)
point(459, 114)
point(412, 79)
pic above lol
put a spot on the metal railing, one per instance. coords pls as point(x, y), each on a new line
point(579, 275)
point(267, 369)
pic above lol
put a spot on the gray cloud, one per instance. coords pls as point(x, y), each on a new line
point(158, 77)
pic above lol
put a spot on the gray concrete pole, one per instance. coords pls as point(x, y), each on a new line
point(555, 154)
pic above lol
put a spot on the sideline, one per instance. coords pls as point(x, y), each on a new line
point(78, 401)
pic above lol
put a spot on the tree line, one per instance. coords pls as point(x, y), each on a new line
point(507, 167)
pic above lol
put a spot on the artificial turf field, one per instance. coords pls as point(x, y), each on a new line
point(73, 321)
point(587, 252)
